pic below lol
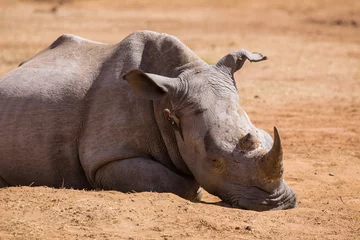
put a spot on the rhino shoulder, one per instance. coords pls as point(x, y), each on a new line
point(66, 43)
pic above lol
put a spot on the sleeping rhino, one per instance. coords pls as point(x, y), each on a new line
point(146, 114)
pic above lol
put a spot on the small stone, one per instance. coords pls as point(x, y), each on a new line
point(249, 228)
point(237, 228)
point(256, 96)
point(331, 174)
point(339, 22)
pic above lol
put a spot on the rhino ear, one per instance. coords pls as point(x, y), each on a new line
point(235, 60)
point(149, 86)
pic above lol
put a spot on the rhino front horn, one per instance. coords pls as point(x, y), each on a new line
point(271, 164)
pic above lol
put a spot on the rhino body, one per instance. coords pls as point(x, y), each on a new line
point(146, 114)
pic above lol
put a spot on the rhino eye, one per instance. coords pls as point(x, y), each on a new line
point(199, 111)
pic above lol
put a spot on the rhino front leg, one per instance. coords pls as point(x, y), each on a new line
point(3, 183)
point(145, 175)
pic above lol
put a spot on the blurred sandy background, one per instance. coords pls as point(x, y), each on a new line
point(309, 88)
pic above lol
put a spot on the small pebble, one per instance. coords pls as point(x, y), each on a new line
point(249, 228)
point(237, 228)
point(331, 174)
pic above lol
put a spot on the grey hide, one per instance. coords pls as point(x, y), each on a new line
point(146, 114)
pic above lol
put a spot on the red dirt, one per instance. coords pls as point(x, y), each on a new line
point(309, 88)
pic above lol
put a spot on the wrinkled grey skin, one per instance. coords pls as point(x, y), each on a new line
point(89, 115)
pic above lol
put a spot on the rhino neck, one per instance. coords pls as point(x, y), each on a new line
point(164, 55)
point(155, 53)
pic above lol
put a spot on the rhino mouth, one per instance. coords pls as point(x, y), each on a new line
point(256, 199)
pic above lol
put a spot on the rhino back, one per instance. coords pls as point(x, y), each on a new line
point(41, 109)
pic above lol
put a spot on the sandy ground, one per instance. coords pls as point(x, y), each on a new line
point(309, 88)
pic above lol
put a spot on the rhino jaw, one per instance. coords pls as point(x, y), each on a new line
point(253, 198)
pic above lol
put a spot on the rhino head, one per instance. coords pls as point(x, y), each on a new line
point(226, 153)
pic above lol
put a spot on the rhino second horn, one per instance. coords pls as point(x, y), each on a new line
point(248, 142)
point(271, 165)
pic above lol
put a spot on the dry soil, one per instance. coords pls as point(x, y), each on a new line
point(309, 88)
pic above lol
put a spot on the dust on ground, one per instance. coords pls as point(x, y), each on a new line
point(309, 88)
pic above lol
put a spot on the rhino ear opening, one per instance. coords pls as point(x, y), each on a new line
point(235, 60)
point(148, 86)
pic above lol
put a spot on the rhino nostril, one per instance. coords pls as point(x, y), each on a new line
point(248, 142)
